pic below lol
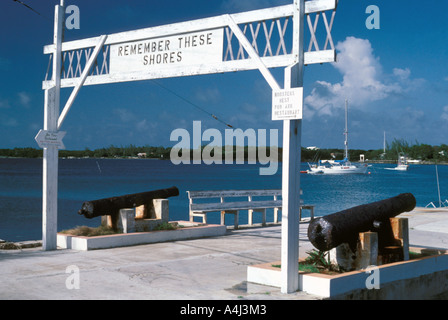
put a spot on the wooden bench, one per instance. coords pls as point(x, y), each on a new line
point(233, 207)
point(307, 207)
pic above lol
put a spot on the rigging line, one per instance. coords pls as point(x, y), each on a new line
point(24, 4)
point(191, 103)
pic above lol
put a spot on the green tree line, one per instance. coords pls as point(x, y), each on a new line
point(109, 152)
point(415, 151)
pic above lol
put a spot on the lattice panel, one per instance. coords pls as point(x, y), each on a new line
point(272, 38)
point(319, 31)
point(73, 63)
point(266, 37)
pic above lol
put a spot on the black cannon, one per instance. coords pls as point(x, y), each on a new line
point(111, 206)
point(330, 231)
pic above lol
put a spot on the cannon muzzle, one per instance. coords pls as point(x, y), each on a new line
point(332, 230)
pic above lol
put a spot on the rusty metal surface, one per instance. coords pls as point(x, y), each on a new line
point(111, 206)
point(344, 226)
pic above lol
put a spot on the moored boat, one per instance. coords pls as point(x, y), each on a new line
point(339, 166)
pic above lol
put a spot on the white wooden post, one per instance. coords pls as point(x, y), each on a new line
point(50, 156)
point(50, 176)
point(292, 132)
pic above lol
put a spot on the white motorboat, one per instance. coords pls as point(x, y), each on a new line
point(402, 164)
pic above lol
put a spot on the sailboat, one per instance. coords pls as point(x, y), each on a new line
point(339, 166)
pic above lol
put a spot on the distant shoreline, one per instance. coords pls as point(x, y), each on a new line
point(423, 162)
point(425, 154)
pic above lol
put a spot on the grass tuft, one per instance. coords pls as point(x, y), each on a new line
point(84, 231)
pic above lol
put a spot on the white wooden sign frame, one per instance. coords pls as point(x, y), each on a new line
point(251, 40)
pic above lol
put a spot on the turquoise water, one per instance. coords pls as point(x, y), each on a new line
point(88, 179)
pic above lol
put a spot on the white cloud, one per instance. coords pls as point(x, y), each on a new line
point(444, 115)
point(357, 63)
point(145, 126)
point(131, 122)
point(125, 115)
point(208, 95)
point(402, 73)
point(4, 104)
point(142, 125)
point(9, 122)
point(362, 82)
point(24, 99)
point(35, 126)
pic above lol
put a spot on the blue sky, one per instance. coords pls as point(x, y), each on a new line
point(396, 78)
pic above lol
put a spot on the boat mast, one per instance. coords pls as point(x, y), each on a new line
point(346, 131)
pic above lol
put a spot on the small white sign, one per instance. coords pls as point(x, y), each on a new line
point(46, 139)
point(182, 50)
point(287, 104)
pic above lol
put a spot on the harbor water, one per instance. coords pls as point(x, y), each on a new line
point(89, 179)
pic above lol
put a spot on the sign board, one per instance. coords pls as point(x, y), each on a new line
point(287, 104)
point(45, 139)
point(182, 50)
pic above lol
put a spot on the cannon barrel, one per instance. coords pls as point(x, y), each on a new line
point(332, 230)
point(111, 206)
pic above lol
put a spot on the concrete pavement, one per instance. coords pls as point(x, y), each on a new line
point(201, 269)
point(428, 227)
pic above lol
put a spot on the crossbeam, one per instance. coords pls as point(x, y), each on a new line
point(196, 25)
point(252, 29)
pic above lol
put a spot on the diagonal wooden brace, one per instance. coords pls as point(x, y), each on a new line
point(82, 79)
point(252, 53)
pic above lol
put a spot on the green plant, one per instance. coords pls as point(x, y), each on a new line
point(9, 246)
point(304, 267)
point(85, 231)
point(308, 268)
point(414, 255)
point(317, 258)
point(166, 226)
point(316, 262)
point(320, 260)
